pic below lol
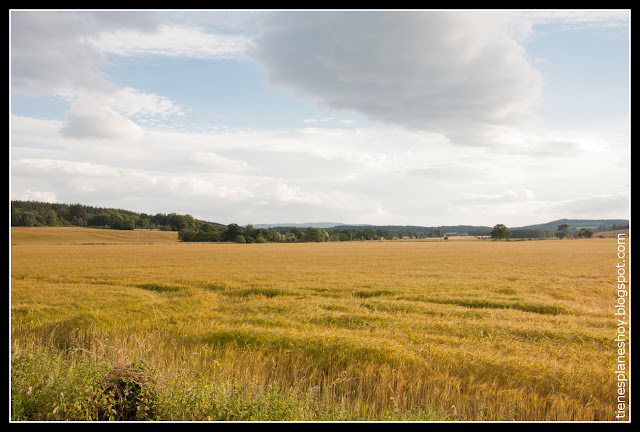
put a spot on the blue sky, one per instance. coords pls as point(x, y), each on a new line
point(382, 117)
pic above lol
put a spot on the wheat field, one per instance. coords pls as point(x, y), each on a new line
point(391, 330)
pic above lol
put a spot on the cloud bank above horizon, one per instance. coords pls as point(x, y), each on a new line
point(422, 117)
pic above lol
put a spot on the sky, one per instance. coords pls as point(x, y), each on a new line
point(382, 117)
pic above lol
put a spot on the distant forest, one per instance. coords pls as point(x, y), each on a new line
point(35, 213)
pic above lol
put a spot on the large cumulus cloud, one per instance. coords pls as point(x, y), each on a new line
point(424, 70)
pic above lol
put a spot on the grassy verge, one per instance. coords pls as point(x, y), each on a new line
point(52, 385)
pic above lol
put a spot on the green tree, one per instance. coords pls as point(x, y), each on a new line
point(186, 235)
point(76, 221)
point(250, 231)
point(128, 224)
point(178, 222)
point(29, 219)
point(211, 236)
point(584, 233)
point(312, 234)
point(275, 236)
point(563, 231)
point(437, 233)
point(233, 230)
point(51, 218)
point(206, 227)
point(23, 218)
point(143, 222)
point(78, 211)
point(101, 219)
point(500, 231)
point(115, 219)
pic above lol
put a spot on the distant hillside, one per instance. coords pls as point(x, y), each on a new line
point(576, 224)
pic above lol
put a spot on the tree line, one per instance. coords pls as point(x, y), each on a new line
point(250, 234)
point(500, 231)
point(44, 214)
point(37, 214)
point(563, 232)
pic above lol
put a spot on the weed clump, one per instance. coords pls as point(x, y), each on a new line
point(128, 393)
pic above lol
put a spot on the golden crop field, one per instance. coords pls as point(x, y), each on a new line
point(393, 330)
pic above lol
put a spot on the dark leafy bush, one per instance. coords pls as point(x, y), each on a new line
point(128, 393)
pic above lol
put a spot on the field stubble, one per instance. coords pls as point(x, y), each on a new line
point(467, 330)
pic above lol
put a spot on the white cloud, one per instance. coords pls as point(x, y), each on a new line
point(450, 72)
point(608, 205)
point(51, 55)
point(200, 186)
point(578, 17)
point(130, 101)
point(65, 168)
point(214, 162)
point(171, 40)
point(285, 193)
point(312, 174)
point(104, 180)
point(506, 196)
point(88, 118)
point(48, 57)
point(33, 132)
point(29, 195)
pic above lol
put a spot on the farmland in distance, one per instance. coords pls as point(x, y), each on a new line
point(394, 330)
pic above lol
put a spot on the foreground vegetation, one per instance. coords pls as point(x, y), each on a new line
point(156, 329)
